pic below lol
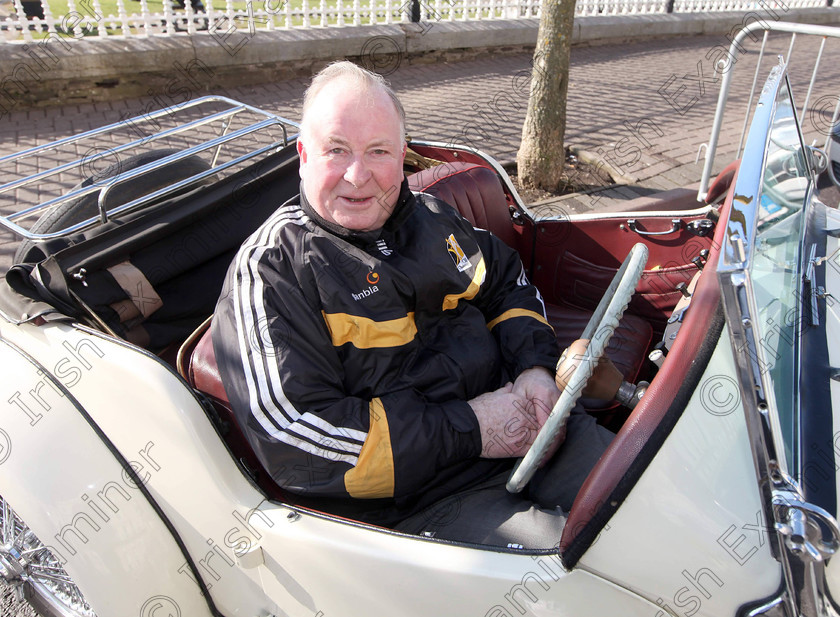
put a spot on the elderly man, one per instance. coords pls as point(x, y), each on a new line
point(386, 359)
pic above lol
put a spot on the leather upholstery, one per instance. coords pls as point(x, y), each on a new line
point(202, 373)
point(203, 370)
point(474, 191)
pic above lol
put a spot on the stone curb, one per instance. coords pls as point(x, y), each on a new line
point(60, 71)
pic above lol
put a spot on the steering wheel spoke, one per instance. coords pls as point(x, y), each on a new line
point(599, 331)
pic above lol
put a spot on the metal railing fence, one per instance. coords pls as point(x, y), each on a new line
point(32, 20)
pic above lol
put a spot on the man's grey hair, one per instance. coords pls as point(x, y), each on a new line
point(365, 79)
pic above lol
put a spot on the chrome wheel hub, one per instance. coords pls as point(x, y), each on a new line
point(35, 572)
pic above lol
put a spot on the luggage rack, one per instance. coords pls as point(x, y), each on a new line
point(735, 50)
point(223, 132)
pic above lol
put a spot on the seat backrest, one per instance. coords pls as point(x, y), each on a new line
point(197, 364)
point(203, 372)
point(474, 190)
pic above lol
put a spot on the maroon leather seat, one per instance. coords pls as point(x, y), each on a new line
point(474, 191)
point(197, 364)
point(202, 371)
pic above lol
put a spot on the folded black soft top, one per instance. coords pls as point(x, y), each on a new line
point(154, 275)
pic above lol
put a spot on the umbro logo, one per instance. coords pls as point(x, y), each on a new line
point(383, 248)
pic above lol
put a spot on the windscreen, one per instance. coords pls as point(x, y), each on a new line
point(776, 267)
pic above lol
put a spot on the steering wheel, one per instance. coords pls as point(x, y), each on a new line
point(598, 331)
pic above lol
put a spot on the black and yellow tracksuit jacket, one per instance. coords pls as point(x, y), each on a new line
point(349, 357)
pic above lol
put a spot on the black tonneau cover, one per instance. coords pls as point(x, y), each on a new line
point(154, 275)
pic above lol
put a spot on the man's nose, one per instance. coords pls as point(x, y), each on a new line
point(357, 172)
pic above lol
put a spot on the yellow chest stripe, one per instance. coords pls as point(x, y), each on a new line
point(365, 333)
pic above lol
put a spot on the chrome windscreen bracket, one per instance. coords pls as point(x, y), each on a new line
point(810, 287)
point(810, 539)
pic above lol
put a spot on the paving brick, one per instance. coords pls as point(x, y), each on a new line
point(659, 182)
point(102, 107)
point(653, 169)
point(618, 101)
point(628, 192)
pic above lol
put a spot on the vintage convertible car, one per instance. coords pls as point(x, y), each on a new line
point(129, 489)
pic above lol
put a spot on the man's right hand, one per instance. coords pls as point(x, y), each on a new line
point(507, 422)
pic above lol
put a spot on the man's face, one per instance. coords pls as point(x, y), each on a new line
point(351, 156)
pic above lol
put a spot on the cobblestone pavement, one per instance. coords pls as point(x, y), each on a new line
point(644, 107)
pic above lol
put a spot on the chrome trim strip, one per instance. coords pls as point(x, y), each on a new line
point(491, 162)
point(777, 607)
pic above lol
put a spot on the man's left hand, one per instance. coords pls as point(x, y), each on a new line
point(537, 386)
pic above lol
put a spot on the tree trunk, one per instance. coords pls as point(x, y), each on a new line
point(541, 154)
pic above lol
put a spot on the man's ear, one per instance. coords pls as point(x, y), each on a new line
point(301, 151)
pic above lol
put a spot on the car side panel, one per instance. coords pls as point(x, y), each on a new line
point(688, 519)
point(141, 405)
point(254, 562)
point(311, 565)
point(691, 535)
point(67, 486)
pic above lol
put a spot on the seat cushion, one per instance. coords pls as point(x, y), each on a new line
point(627, 347)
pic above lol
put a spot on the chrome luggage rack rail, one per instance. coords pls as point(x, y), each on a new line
point(224, 132)
point(735, 50)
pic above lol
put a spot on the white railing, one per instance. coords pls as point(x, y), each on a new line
point(626, 7)
point(695, 6)
point(86, 18)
